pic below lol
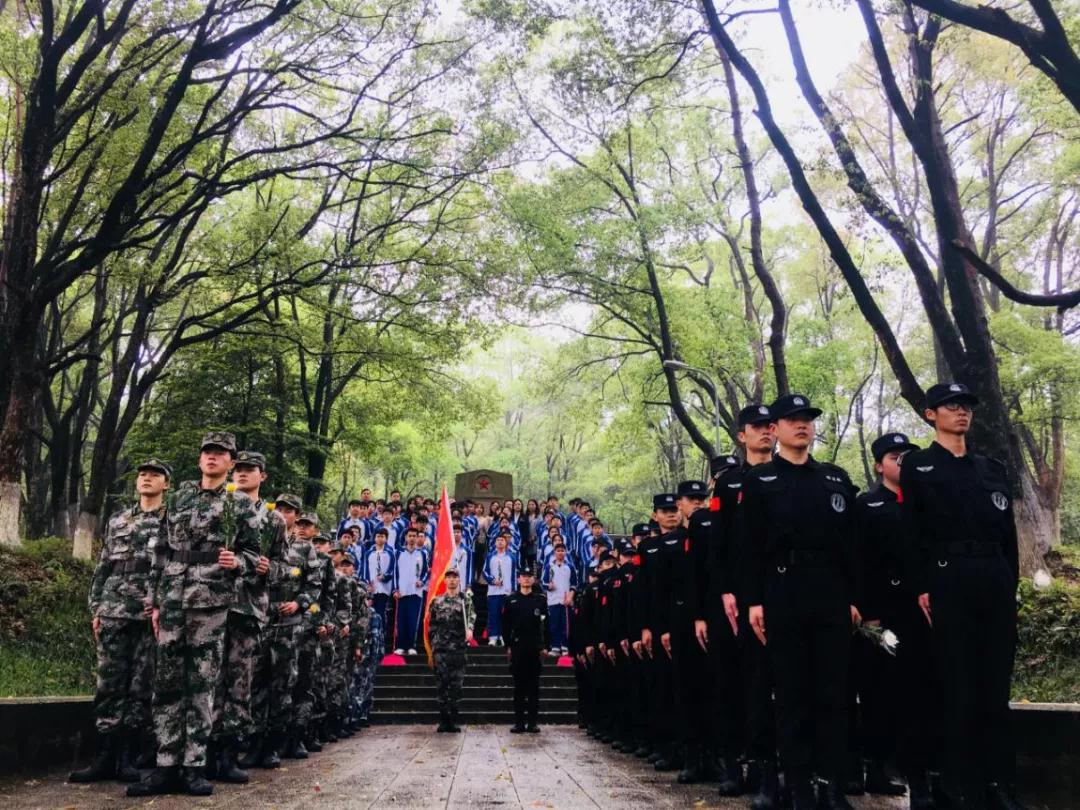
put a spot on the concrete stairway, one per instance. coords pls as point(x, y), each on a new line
point(406, 694)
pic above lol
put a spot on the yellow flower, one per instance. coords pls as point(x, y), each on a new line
point(314, 608)
point(270, 506)
point(294, 573)
point(230, 487)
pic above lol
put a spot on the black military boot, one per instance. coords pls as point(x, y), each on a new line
point(532, 727)
point(271, 751)
point(519, 725)
point(125, 758)
point(768, 795)
point(731, 777)
point(879, 783)
point(159, 781)
point(103, 765)
point(292, 748)
point(832, 797)
point(454, 727)
point(254, 754)
point(194, 783)
point(227, 769)
point(692, 771)
point(311, 742)
point(444, 722)
point(919, 787)
point(1001, 797)
point(328, 730)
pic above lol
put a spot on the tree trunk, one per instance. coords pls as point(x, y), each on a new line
point(1037, 524)
point(86, 531)
point(22, 400)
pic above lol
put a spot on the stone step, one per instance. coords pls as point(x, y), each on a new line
point(472, 718)
point(468, 691)
point(429, 703)
point(472, 668)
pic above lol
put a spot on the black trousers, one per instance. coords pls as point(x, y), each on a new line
point(662, 692)
point(973, 604)
point(808, 628)
point(726, 689)
point(757, 691)
point(525, 667)
point(480, 590)
point(690, 668)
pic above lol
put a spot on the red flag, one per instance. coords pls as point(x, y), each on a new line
point(440, 561)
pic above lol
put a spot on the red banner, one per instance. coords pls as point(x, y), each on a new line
point(440, 561)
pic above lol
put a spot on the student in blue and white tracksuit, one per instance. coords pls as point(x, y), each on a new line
point(500, 572)
point(357, 517)
point(412, 574)
point(461, 558)
point(559, 581)
point(380, 574)
point(470, 525)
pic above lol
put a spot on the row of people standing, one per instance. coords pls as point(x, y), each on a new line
point(225, 625)
point(754, 621)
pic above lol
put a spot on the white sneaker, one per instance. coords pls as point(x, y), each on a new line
point(493, 642)
point(399, 651)
point(501, 644)
point(412, 652)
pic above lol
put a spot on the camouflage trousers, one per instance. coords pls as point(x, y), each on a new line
point(339, 684)
point(323, 681)
point(363, 690)
point(275, 679)
point(125, 675)
point(306, 675)
point(449, 678)
point(190, 645)
point(232, 700)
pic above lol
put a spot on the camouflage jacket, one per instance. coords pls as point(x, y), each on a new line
point(361, 614)
point(294, 577)
point(449, 616)
point(322, 612)
point(343, 603)
point(198, 520)
point(122, 583)
point(252, 593)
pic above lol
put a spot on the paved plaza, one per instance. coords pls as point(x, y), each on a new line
point(413, 767)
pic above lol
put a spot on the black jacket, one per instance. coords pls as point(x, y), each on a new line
point(524, 621)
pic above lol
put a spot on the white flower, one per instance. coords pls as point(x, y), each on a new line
point(890, 642)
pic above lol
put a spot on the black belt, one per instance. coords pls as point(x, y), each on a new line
point(805, 557)
point(194, 557)
point(140, 566)
point(972, 548)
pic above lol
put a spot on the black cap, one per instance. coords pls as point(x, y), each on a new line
point(664, 501)
point(889, 443)
point(791, 405)
point(941, 393)
point(604, 557)
point(640, 530)
point(251, 459)
point(717, 464)
point(155, 465)
point(627, 549)
point(526, 571)
point(692, 489)
point(754, 414)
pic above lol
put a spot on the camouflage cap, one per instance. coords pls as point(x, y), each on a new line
point(309, 517)
point(452, 572)
point(251, 459)
point(289, 499)
point(156, 465)
point(219, 438)
point(321, 537)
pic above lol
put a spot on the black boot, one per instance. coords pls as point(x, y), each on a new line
point(879, 783)
point(271, 752)
point(294, 748)
point(768, 795)
point(919, 786)
point(832, 797)
point(103, 765)
point(532, 728)
point(254, 754)
point(454, 727)
point(692, 770)
point(125, 758)
point(444, 722)
point(194, 783)
point(731, 777)
point(1001, 797)
point(519, 726)
point(157, 782)
point(227, 770)
point(328, 730)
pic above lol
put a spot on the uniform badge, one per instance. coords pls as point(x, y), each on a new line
point(955, 388)
point(536, 611)
point(875, 504)
point(898, 439)
point(768, 478)
point(925, 469)
point(799, 401)
point(999, 500)
point(838, 503)
point(736, 485)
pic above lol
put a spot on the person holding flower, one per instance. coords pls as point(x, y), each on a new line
point(211, 540)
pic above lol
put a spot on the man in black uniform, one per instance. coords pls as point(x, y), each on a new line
point(602, 652)
point(630, 644)
point(627, 724)
point(524, 629)
point(799, 525)
point(959, 508)
point(576, 638)
point(894, 700)
point(658, 704)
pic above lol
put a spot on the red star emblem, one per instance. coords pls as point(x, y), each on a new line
point(483, 483)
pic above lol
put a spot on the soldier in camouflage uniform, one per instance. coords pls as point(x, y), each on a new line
point(244, 627)
point(374, 647)
point(450, 622)
point(337, 686)
point(294, 587)
point(120, 603)
point(307, 642)
point(319, 730)
point(211, 540)
point(361, 618)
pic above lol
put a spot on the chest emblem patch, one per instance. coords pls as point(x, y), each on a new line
point(999, 500)
point(925, 469)
point(837, 502)
point(767, 478)
point(875, 504)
